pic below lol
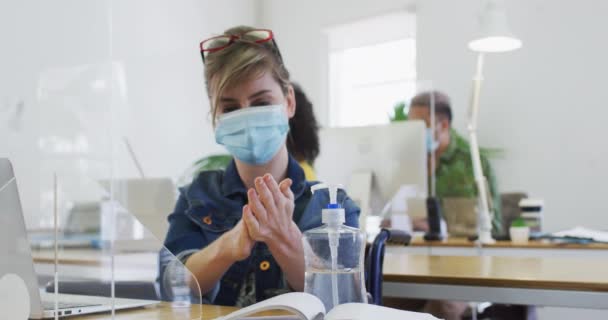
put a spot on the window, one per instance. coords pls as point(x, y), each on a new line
point(372, 67)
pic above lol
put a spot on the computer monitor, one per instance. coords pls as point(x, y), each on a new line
point(395, 155)
point(150, 200)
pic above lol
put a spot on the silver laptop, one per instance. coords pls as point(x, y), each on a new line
point(17, 259)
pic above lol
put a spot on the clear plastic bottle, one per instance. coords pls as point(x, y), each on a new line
point(176, 284)
point(334, 255)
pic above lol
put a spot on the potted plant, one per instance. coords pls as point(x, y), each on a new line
point(519, 231)
point(399, 112)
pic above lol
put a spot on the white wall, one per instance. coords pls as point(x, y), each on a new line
point(159, 43)
point(544, 105)
point(164, 111)
point(299, 29)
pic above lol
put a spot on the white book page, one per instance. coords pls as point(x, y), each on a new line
point(355, 311)
point(304, 305)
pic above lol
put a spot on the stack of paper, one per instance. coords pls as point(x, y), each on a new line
point(582, 232)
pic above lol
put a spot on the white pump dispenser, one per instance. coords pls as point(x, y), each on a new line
point(334, 254)
point(334, 214)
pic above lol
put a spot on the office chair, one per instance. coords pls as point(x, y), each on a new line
point(375, 260)
point(505, 312)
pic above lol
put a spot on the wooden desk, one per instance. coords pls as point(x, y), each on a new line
point(164, 311)
point(581, 283)
point(535, 244)
point(457, 246)
point(91, 257)
point(95, 264)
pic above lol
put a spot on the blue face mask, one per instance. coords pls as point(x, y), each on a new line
point(431, 143)
point(253, 135)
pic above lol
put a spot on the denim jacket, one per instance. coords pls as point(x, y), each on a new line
point(212, 204)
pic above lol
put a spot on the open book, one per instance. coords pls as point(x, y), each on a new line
point(305, 306)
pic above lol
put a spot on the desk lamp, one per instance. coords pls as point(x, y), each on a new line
point(493, 37)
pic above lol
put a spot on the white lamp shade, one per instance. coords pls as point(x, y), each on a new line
point(494, 34)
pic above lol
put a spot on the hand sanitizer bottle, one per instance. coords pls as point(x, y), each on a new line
point(334, 255)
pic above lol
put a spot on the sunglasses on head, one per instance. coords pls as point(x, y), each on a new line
point(259, 36)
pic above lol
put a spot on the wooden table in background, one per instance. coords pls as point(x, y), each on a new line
point(560, 282)
point(95, 264)
point(458, 246)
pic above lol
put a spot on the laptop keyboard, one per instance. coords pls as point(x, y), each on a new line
point(50, 305)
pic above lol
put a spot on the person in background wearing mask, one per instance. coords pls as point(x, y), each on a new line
point(239, 230)
point(454, 178)
point(303, 138)
point(454, 167)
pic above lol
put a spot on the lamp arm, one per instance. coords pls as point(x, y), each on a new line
point(484, 222)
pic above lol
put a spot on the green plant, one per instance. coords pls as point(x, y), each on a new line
point(212, 162)
point(519, 222)
point(492, 153)
point(399, 112)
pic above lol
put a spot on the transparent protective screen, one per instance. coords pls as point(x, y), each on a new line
point(102, 107)
point(78, 223)
point(110, 225)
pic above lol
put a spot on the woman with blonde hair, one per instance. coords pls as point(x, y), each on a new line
point(239, 230)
